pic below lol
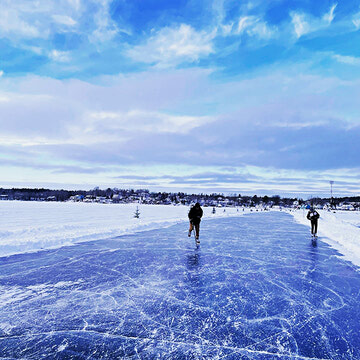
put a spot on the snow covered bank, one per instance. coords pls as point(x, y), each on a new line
point(32, 226)
point(340, 229)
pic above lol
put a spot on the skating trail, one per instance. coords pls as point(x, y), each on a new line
point(255, 289)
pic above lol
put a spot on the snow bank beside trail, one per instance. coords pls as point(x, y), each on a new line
point(32, 226)
point(340, 229)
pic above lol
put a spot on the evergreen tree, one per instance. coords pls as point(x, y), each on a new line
point(137, 213)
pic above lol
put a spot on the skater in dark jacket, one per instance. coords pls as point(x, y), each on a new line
point(195, 215)
point(313, 216)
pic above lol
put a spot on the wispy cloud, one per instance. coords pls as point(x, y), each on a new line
point(60, 56)
point(144, 121)
point(301, 26)
point(105, 27)
point(356, 20)
point(64, 20)
point(12, 23)
point(174, 45)
point(254, 26)
point(306, 23)
point(24, 20)
point(349, 60)
point(329, 17)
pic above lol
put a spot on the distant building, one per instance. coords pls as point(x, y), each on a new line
point(116, 198)
point(348, 207)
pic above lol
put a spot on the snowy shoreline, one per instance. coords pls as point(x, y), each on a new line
point(34, 226)
point(340, 229)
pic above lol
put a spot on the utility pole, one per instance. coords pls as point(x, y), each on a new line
point(331, 192)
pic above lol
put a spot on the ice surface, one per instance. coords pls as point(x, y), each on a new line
point(256, 288)
point(31, 226)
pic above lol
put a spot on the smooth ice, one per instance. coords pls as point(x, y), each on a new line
point(256, 288)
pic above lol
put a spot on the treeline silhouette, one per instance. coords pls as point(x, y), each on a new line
point(41, 194)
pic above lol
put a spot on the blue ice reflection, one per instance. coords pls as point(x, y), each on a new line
point(256, 288)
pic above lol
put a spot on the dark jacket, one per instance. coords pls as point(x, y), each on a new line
point(195, 214)
point(313, 215)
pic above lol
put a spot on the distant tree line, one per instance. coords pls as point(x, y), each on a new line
point(335, 200)
point(41, 194)
point(31, 194)
point(27, 194)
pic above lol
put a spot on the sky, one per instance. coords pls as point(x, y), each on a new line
point(250, 97)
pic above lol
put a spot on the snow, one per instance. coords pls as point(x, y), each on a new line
point(340, 229)
point(33, 226)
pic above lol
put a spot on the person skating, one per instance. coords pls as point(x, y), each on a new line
point(195, 215)
point(313, 216)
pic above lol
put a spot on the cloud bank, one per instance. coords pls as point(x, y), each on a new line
point(258, 96)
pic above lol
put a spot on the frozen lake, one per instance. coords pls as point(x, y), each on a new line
point(256, 288)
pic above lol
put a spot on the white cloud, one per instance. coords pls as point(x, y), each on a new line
point(75, 4)
point(48, 111)
point(227, 29)
point(11, 22)
point(153, 116)
point(350, 60)
point(22, 19)
point(106, 28)
point(329, 17)
point(4, 99)
point(1, 73)
point(255, 26)
point(301, 27)
point(356, 21)
point(244, 22)
point(171, 46)
point(35, 49)
point(165, 102)
point(148, 121)
point(305, 23)
point(218, 9)
point(262, 30)
point(64, 19)
point(59, 56)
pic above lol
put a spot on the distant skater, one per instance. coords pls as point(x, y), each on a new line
point(195, 215)
point(313, 216)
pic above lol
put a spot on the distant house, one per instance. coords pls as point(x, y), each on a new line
point(116, 198)
point(76, 198)
point(51, 198)
point(4, 197)
point(88, 198)
point(348, 207)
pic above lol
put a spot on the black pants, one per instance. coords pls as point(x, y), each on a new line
point(195, 224)
point(314, 224)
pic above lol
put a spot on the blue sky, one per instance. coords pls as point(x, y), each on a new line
point(199, 96)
